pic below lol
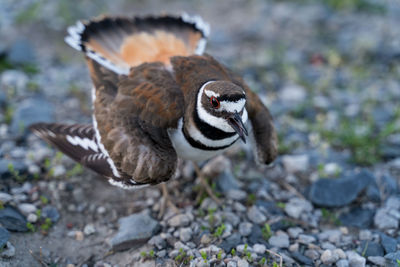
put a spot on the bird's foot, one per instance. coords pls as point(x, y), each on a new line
point(205, 185)
point(166, 202)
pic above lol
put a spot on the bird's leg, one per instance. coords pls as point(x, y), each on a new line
point(206, 186)
point(166, 201)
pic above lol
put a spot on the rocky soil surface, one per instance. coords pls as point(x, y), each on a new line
point(328, 70)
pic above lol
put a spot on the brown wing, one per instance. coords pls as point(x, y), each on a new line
point(194, 71)
point(78, 141)
point(132, 114)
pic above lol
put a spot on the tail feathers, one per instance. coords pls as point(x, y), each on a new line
point(121, 43)
point(78, 141)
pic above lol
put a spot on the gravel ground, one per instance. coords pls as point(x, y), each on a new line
point(329, 74)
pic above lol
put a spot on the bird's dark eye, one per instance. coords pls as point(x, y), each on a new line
point(214, 102)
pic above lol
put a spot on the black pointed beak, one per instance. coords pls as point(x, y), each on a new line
point(235, 121)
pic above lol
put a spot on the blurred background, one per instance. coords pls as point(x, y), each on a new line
point(329, 71)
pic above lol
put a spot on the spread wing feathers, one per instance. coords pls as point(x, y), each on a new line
point(121, 43)
point(78, 141)
point(131, 118)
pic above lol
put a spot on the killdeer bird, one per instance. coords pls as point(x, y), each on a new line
point(157, 97)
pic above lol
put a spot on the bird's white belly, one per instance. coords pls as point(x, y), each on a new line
point(185, 150)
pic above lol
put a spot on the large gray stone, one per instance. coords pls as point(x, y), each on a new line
point(21, 52)
point(341, 191)
point(29, 111)
point(358, 217)
point(12, 220)
point(134, 231)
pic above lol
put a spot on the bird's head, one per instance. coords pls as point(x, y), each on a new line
point(221, 104)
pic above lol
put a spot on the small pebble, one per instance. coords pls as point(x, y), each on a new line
point(101, 210)
point(328, 257)
point(242, 263)
point(32, 218)
point(89, 229)
point(280, 240)
point(294, 232)
point(8, 251)
point(342, 263)
point(26, 208)
point(255, 215)
point(377, 260)
point(79, 235)
point(259, 248)
point(245, 228)
point(179, 220)
point(185, 234)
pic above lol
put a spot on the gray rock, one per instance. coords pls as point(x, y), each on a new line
point(392, 258)
point(306, 239)
point(259, 248)
point(230, 242)
point(29, 111)
point(242, 263)
point(388, 243)
point(332, 235)
point(383, 220)
point(328, 257)
point(12, 220)
point(245, 228)
point(4, 236)
point(297, 206)
point(369, 248)
point(8, 251)
point(294, 231)
point(295, 163)
point(393, 202)
point(358, 217)
point(50, 212)
point(89, 229)
point(373, 192)
point(342, 263)
point(301, 258)
point(21, 52)
point(355, 260)
point(341, 191)
point(5, 198)
point(226, 181)
point(134, 230)
point(231, 218)
point(312, 254)
point(281, 240)
point(377, 260)
point(185, 234)
point(389, 185)
point(26, 208)
point(255, 215)
point(32, 218)
point(179, 220)
point(158, 242)
point(236, 194)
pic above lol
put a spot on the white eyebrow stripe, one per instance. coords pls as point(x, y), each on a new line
point(211, 93)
